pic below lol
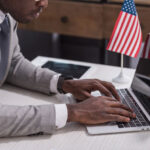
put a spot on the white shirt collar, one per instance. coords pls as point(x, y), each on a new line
point(2, 16)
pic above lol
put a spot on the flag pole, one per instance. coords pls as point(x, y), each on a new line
point(122, 63)
point(121, 78)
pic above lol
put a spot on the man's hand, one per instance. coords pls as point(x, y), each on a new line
point(81, 89)
point(97, 110)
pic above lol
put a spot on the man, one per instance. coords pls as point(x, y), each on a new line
point(15, 69)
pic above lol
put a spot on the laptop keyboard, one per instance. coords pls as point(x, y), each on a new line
point(140, 119)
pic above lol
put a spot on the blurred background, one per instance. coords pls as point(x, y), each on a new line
point(79, 30)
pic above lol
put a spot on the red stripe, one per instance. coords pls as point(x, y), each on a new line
point(127, 25)
point(145, 45)
point(116, 25)
point(137, 52)
point(147, 48)
point(131, 40)
point(119, 31)
point(138, 48)
point(135, 43)
point(129, 34)
point(149, 54)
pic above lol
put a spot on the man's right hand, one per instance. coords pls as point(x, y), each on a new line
point(97, 110)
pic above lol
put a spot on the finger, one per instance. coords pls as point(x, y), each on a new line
point(104, 90)
point(114, 93)
point(83, 96)
point(109, 98)
point(87, 94)
point(118, 118)
point(120, 105)
point(113, 90)
point(121, 111)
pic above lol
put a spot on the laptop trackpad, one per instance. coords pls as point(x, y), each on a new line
point(102, 129)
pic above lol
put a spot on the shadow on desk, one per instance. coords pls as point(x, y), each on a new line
point(13, 95)
point(69, 128)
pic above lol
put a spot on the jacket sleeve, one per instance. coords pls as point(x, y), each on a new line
point(26, 120)
point(24, 74)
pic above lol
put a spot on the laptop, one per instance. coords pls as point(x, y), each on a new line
point(137, 98)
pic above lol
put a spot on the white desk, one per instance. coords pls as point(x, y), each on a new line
point(73, 136)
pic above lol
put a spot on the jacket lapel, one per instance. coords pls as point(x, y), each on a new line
point(10, 50)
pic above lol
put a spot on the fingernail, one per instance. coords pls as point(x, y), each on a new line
point(128, 119)
point(134, 115)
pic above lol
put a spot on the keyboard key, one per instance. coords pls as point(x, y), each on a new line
point(132, 124)
point(138, 124)
point(120, 125)
point(144, 123)
point(127, 124)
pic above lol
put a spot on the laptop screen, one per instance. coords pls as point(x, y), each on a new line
point(141, 83)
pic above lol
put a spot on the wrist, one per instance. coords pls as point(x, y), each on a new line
point(67, 86)
point(61, 84)
point(71, 113)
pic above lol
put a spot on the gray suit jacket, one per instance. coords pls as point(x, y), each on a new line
point(26, 120)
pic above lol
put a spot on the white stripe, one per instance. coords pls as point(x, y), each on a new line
point(121, 32)
point(133, 43)
point(147, 47)
point(126, 33)
point(130, 37)
point(137, 44)
point(117, 30)
point(134, 40)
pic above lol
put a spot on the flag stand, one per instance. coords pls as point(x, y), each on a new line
point(121, 78)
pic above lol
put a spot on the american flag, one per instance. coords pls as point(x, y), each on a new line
point(146, 49)
point(126, 37)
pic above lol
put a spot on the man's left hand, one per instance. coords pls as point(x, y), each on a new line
point(81, 89)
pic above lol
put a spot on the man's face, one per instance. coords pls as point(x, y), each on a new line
point(23, 11)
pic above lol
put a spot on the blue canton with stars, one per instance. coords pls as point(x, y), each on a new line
point(129, 7)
